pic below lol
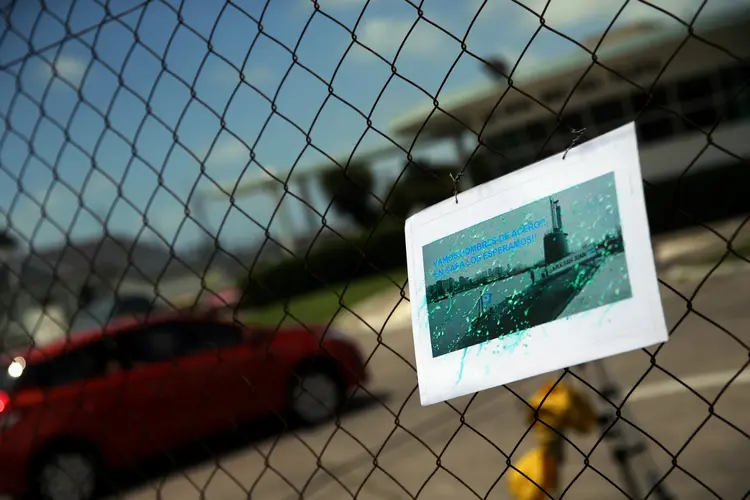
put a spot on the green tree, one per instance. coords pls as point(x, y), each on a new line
point(480, 169)
point(8, 242)
point(422, 184)
point(351, 191)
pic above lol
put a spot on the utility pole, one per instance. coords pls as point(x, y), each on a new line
point(8, 247)
point(627, 444)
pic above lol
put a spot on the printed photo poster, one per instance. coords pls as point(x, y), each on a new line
point(542, 269)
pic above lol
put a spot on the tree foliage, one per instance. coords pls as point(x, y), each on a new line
point(480, 169)
point(350, 192)
point(7, 240)
point(497, 68)
point(327, 263)
point(422, 184)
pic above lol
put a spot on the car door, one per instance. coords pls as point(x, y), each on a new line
point(78, 390)
point(254, 380)
point(184, 382)
point(265, 373)
point(213, 358)
point(233, 376)
point(154, 395)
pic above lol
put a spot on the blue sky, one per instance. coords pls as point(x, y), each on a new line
point(133, 94)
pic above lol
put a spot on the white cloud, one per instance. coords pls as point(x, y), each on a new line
point(258, 74)
point(566, 14)
point(69, 68)
point(683, 9)
point(228, 151)
point(330, 5)
point(385, 36)
point(530, 62)
point(582, 20)
point(333, 4)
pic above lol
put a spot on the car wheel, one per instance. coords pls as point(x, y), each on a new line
point(66, 475)
point(316, 395)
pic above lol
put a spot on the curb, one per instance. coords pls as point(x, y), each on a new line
point(681, 273)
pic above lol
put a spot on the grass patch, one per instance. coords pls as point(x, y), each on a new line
point(320, 306)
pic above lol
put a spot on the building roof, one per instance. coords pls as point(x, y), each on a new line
point(649, 35)
point(110, 255)
point(262, 181)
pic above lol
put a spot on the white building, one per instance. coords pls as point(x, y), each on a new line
point(689, 81)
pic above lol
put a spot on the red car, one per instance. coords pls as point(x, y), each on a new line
point(105, 399)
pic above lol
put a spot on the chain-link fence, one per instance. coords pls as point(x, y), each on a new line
point(224, 185)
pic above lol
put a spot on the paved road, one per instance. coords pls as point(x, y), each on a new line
point(407, 438)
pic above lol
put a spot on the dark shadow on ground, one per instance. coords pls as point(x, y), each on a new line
point(225, 443)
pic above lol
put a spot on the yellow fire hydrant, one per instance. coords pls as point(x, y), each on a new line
point(560, 408)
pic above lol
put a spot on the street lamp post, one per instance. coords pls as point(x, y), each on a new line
point(8, 246)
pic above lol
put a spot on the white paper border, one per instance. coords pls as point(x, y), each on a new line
point(612, 329)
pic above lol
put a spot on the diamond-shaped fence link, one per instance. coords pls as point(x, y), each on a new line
point(200, 299)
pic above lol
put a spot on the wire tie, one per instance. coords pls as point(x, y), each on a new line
point(455, 180)
point(577, 136)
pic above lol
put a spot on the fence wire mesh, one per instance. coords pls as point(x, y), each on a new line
point(139, 153)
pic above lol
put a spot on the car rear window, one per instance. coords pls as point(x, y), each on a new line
point(74, 366)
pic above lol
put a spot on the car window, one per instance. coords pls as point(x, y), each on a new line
point(150, 344)
point(101, 311)
point(207, 336)
point(164, 342)
point(85, 363)
point(95, 315)
point(132, 305)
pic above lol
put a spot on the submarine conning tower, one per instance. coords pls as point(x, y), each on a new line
point(556, 241)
